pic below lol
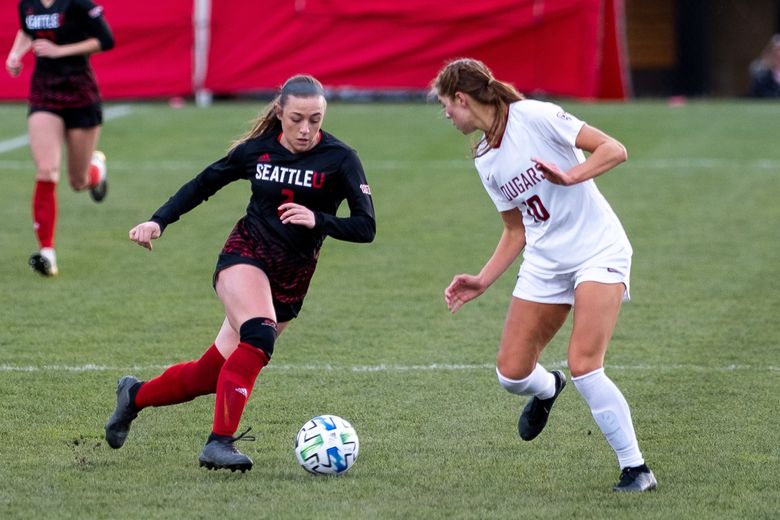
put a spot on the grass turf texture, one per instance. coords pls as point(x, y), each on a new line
point(695, 352)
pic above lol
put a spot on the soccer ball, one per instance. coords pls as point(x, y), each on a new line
point(326, 445)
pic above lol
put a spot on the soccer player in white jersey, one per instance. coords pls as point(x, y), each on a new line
point(575, 251)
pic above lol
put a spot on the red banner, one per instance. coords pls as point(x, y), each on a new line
point(152, 56)
point(558, 47)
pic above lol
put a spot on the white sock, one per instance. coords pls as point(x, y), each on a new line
point(540, 383)
point(611, 412)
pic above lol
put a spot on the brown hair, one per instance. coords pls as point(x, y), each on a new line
point(474, 78)
point(300, 85)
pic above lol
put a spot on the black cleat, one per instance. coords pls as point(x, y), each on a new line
point(220, 453)
point(534, 417)
point(636, 480)
point(43, 265)
point(118, 425)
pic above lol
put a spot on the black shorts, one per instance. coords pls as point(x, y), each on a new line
point(82, 117)
point(289, 272)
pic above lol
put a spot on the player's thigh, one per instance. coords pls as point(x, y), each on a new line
point(245, 293)
point(596, 309)
point(46, 132)
point(81, 143)
point(529, 327)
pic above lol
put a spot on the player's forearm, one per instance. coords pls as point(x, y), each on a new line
point(82, 48)
point(21, 45)
point(359, 227)
point(605, 157)
point(508, 249)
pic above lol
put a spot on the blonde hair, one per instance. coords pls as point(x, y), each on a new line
point(300, 85)
point(474, 78)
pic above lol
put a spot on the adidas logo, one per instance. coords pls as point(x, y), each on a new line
point(264, 157)
point(241, 390)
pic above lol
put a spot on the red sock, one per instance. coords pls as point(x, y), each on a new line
point(45, 212)
point(183, 382)
point(234, 387)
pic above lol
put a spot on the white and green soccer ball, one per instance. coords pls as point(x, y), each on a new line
point(327, 445)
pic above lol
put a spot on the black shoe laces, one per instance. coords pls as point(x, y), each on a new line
point(244, 436)
point(227, 442)
point(629, 475)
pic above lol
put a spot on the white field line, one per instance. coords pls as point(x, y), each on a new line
point(21, 141)
point(676, 165)
point(391, 368)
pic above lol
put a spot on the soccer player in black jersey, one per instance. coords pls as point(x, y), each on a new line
point(64, 105)
point(299, 176)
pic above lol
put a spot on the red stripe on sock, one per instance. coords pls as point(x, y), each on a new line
point(234, 387)
point(183, 382)
point(45, 212)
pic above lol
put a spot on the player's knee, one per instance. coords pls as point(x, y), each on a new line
point(512, 369)
point(581, 365)
point(513, 386)
point(47, 173)
point(259, 333)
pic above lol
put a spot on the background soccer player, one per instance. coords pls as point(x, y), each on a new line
point(299, 176)
point(576, 252)
point(64, 105)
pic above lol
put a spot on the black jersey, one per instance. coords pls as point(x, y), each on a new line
point(65, 22)
point(319, 179)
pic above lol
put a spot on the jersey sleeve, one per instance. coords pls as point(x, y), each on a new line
point(95, 24)
point(360, 225)
point(557, 125)
point(499, 201)
point(216, 176)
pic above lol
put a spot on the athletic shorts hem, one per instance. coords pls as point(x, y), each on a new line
point(559, 288)
point(284, 311)
point(89, 116)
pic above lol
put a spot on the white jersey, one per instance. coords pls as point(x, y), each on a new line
point(566, 227)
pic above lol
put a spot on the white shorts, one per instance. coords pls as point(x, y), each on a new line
point(552, 287)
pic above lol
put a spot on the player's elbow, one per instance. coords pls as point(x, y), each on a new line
point(620, 152)
point(369, 231)
point(106, 42)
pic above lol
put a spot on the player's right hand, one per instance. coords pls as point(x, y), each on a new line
point(144, 233)
point(13, 65)
point(462, 289)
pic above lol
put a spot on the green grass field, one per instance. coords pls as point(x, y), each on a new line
point(696, 352)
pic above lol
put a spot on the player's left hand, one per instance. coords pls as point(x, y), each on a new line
point(291, 213)
point(552, 173)
point(45, 48)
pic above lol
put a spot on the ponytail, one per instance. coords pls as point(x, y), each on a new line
point(474, 78)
